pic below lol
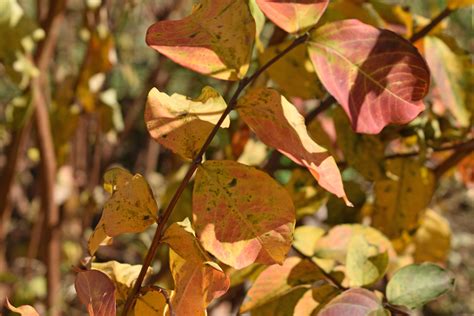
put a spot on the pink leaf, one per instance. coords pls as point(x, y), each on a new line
point(293, 15)
point(354, 302)
point(378, 77)
point(97, 292)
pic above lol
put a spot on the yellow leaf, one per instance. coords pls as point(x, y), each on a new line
point(295, 64)
point(183, 124)
point(455, 4)
point(432, 239)
point(153, 303)
point(401, 199)
point(130, 209)
point(122, 274)
point(23, 310)
point(305, 239)
point(215, 40)
point(306, 305)
point(197, 279)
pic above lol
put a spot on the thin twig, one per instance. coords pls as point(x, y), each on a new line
point(192, 168)
point(323, 106)
point(427, 28)
point(461, 151)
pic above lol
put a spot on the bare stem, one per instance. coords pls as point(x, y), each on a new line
point(425, 30)
point(192, 168)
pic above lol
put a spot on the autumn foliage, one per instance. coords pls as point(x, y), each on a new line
point(326, 106)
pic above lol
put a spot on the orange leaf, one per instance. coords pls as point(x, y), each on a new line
point(241, 214)
point(96, 291)
point(278, 124)
point(215, 40)
point(23, 310)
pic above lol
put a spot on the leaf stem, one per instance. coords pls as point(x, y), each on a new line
point(427, 28)
point(192, 168)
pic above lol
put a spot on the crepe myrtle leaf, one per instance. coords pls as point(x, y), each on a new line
point(215, 40)
point(293, 16)
point(378, 77)
point(278, 124)
point(96, 291)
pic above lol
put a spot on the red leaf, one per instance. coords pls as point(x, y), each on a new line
point(378, 77)
point(278, 124)
point(97, 292)
point(216, 39)
point(294, 15)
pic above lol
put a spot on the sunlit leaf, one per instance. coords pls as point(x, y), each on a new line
point(295, 64)
point(415, 285)
point(403, 197)
point(365, 264)
point(197, 279)
point(432, 238)
point(153, 303)
point(279, 284)
point(23, 310)
point(306, 304)
point(305, 239)
point(279, 124)
point(183, 124)
point(241, 215)
point(295, 15)
point(215, 40)
point(130, 209)
point(96, 291)
point(378, 77)
point(449, 73)
point(335, 244)
point(123, 276)
point(355, 302)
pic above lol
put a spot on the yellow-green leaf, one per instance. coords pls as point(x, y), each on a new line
point(305, 239)
point(182, 124)
point(197, 279)
point(432, 239)
point(130, 209)
point(365, 264)
point(153, 303)
point(403, 197)
point(215, 40)
point(241, 214)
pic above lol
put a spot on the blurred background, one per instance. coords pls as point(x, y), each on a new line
point(74, 76)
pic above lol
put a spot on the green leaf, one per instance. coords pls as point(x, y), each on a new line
point(417, 284)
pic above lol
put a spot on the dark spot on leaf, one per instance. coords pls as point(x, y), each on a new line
point(232, 183)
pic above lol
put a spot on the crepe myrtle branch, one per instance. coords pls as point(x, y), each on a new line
point(192, 168)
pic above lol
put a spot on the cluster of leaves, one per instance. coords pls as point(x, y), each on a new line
point(246, 225)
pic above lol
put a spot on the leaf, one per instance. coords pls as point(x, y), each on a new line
point(278, 283)
point(335, 244)
point(293, 16)
point(450, 75)
point(278, 124)
point(354, 302)
point(215, 40)
point(241, 214)
point(153, 303)
point(403, 197)
point(365, 153)
point(130, 209)
point(305, 239)
point(294, 64)
point(23, 310)
point(96, 291)
point(378, 77)
point(365, 265)
point(183, 124)
point(123, 276)
point(197, 279)
point(339, 213)
point(417, 284)
point(306, 305)
point(456, 4)
point(432, 239)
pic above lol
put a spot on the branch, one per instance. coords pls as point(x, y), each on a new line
point(192, 168)
point(323, 106)
point(462, 150)
point(427, 28)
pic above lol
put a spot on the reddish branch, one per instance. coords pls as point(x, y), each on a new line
point(194, 165)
